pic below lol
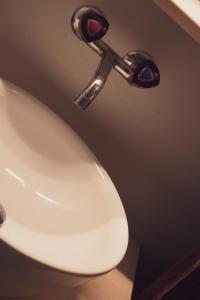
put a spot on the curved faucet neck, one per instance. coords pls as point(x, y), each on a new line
point(97, 83)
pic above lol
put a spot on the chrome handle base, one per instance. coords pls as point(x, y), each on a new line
point(145, 72)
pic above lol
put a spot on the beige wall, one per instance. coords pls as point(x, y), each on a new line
point(148, 140)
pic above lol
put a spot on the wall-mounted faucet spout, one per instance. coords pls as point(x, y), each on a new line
point(97, 83)
point(137, 67)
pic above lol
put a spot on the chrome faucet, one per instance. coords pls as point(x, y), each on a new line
point(137, 67)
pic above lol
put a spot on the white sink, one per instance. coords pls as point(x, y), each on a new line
point(61, 207)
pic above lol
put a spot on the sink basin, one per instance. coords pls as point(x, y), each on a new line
point(61, 208)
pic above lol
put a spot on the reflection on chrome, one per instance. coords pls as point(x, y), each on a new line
point(15, 176)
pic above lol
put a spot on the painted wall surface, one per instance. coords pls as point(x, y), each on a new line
point(148, 140)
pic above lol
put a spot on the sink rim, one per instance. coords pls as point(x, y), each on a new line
point(113, 232)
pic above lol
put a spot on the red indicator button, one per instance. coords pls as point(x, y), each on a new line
point(93, 27)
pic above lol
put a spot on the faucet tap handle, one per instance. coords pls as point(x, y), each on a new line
point(145, 72)
point(89, 24)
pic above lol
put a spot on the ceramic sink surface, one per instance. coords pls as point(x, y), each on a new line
point(62, 208)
